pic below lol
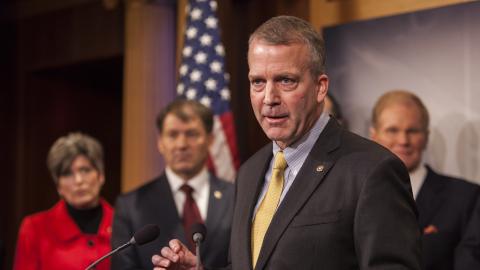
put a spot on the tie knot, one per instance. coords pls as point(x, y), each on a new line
point(186, 189)
point(280, 163)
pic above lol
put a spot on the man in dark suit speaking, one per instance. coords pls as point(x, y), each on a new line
point(400, 122)
point(184, 195)
point(318, 196)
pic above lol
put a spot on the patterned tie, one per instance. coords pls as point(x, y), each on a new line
point(191, 214)
point(268, 206)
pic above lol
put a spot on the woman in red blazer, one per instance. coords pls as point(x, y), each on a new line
point(76, 231)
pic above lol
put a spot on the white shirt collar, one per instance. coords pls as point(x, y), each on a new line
point(417, 177)
point(297, 153)
point(201, 190)
point(198, 182)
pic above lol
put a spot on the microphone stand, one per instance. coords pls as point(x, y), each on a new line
point(146, 235)
point(198, 236)
point(92, 266)
point(197, 251)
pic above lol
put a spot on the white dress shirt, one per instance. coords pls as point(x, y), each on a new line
point(417, 177)
point(201, 187)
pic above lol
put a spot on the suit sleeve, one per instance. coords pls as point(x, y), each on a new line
point(27, 253)
point(386, 231)
point(122, 231)
point(467, 254)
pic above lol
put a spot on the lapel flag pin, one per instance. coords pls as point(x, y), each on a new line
point(320, 168)
point(217, 194)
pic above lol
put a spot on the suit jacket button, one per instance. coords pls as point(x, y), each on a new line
point(90, 243)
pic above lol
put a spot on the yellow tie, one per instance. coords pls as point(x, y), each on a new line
point(268, 206)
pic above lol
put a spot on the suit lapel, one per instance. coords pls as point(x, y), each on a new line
point(430, 198)
point(217, 208)
point(319, 161)
point(159, 208)
point(249, 186)
point(163, 204)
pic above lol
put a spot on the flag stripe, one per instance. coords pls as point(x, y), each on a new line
point(220, 153)
point(229, 130)
point(202, 77)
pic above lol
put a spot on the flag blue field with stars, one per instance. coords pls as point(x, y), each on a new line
point(202, 77)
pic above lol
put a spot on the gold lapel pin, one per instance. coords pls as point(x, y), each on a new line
point(217, 194)
point(320, 168)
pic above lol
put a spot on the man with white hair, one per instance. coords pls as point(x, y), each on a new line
point(400, 122)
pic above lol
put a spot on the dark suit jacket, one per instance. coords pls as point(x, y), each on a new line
point(153, 204)
point(350, 207)
point(446, 204)
point(467, 253)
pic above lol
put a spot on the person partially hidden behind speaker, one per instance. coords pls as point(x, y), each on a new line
point(333, 109)
point(400, 122)
point(182, 196)
point(76, 231)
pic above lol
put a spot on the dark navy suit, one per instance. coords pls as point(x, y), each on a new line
point(445, 206)
point(153, 203)
point(467, 254)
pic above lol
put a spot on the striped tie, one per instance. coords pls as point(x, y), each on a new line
point(268, 206)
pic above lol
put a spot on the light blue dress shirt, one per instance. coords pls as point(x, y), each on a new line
point(295, 155)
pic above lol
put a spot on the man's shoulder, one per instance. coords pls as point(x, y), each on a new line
point(356, 143)
point(220, 182)
point(150, 186)
point(225, 187)
point(258, 157)
point(349, 143)
point(453, 184)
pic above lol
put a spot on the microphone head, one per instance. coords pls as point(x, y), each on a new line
point(147, 234)
point(199, 232)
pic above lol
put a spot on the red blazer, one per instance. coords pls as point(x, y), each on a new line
point(51, 240)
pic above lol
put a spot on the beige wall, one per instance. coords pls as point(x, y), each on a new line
point(148, 86)
point(328, 13)
point(432, 53)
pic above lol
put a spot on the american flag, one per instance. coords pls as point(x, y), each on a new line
point(202, 76)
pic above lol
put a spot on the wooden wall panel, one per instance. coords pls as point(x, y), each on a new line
point(60, 71)
point(333, 12)
point(69, 36)
point(148, 87)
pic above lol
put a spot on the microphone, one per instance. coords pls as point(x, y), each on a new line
point(145, 235)
point(199, 233)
